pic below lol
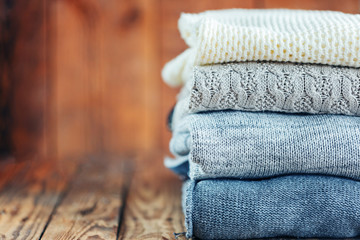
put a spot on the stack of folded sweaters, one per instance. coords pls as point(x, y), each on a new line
point(266, 128)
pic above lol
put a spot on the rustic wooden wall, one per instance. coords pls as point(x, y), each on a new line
point(5, 90)
point(86, 73)
point(23, 73)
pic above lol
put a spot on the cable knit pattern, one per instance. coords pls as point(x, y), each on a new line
point(269, 35)
point(282, 87)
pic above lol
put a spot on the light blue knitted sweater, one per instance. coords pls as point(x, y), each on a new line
point(251, 145)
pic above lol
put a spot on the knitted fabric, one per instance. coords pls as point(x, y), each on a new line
point(266, 86)
point(253, 145)
point(269, 35)
point(294, 206)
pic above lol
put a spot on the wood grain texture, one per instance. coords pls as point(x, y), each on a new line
point(5, 84)
point(70, 81)
point(91, 207)
point(28, 199)
point(153, 208)
point(152, 81)
point(86, 198)
point(107, 76)
point(26, 72)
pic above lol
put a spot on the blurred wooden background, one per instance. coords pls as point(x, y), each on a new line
point(82, 77)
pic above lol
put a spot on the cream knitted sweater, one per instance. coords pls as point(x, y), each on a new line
point(237, 35)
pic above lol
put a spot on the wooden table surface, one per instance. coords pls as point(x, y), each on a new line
point(94, 198)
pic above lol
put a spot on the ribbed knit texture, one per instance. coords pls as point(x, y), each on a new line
point(265, 86)
point(250, 145)
point(296, 206)
point(278, 35)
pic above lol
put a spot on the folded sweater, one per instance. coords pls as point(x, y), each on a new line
point(293, 206)
point(253, 145)
point(271, 86)
point(237, 35)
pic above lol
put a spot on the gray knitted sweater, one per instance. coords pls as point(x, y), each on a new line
point(268, 86)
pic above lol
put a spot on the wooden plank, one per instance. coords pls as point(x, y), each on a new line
point(27, 201)
point(69, 80)
point(5, 84)
point(27, 74)
point(107, 76)
point(151, 78)
point(91, 207)
point(153, 209)
point(125, 77)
